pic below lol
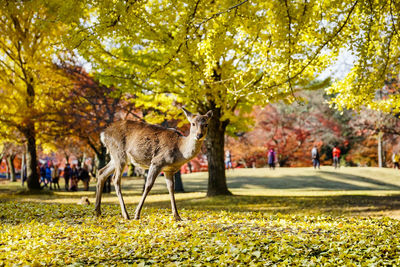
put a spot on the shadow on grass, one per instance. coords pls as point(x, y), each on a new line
point(335, 205)
point(346, 182)
point(349, 205)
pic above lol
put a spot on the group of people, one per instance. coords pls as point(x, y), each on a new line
point(315, 157)
point(72, 176)
point(50, 175)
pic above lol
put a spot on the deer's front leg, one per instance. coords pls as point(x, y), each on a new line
point(169, 179)
point(154, 171)
point(101, 179)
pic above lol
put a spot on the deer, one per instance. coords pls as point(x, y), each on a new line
point(151, 147)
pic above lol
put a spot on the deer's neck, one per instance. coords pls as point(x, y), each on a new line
point(190, 146)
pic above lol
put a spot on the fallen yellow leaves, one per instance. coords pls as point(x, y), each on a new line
point(46, 234)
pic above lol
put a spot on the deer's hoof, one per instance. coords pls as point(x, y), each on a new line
point(177, 218)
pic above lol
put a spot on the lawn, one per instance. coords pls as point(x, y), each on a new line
point(288, 216)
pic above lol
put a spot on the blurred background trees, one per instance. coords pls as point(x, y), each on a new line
point(70, 68)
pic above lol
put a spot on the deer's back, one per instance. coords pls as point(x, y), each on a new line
point(142, 142)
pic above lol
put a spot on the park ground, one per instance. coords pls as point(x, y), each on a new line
point(286, 216)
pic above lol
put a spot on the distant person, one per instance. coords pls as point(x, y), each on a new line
point(315, 157)
point(83, 175)
point(228, 160)
point(396, 159)
point(271, 158)
point(67, 175)
point(336, 157)
point(48, 175)
point(54, 176)
point(42, 171)
point(74, 179)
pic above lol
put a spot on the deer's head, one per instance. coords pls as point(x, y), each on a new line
point(198, 123)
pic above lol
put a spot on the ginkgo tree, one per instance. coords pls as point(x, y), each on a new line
point(227, 56)
point(374, 45)
point(30, 34)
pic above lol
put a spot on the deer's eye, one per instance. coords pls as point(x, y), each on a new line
point(206, 125)
point(193, 124)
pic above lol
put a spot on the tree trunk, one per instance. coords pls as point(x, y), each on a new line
point(178, 182)
point(101, 157)
point(215, 155)
point(83, 160)
point(101, 162)
point(23, 169)
point(11, 168)
point(31, 160)
point(7, 169)
point(380, 162)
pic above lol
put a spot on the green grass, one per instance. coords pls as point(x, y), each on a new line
point(351, 191)
point(289, 216)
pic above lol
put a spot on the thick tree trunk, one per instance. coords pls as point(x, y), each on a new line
point(101, 162)
point(178, 182)
point(215, 156)
point(101, 157)
point(31, 159)
point(11, 168)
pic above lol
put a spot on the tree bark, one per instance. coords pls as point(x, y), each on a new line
point(23, 169)
point(7, 169)
point(101, 162)
point(31, 159)
point(11, 168)
point(380, 161)
point(215, 142)
point(101, 157)
point(178, 182)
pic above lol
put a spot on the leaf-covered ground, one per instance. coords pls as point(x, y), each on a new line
point(310, 228)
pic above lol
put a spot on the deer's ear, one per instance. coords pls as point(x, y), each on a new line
point(209, 114)
point(188, 114)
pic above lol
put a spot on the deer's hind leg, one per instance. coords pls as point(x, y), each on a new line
point(120, 162)
point(102, 176)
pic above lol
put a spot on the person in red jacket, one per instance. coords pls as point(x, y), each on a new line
point(336, 157)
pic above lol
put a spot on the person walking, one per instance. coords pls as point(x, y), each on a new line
point(336, 157)
point(315, 157)
point(74, 179)
point(396, 159)
point(54, 176)
point(42, 171)
point(48, 175)
point(228, 160)
point(67, 175)
point(83, 175)
point(271, 158)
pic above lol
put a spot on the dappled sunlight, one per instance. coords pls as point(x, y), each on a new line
point(267, 216)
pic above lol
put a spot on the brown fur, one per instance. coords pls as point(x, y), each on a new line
point(145, 143)
point(150, 147)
